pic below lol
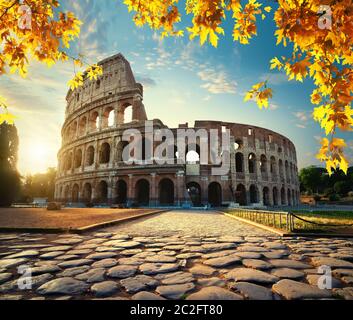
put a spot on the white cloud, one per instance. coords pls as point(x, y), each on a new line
point(217, 82)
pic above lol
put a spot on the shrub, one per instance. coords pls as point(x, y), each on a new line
point(54, 206)
point(334, 197)
point(328, 192)
point(342, 187)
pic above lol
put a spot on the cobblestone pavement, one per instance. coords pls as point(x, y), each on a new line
point(176, 255)
point(188, 223)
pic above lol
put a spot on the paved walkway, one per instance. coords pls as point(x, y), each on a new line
point(175, 255)
point(189, 223)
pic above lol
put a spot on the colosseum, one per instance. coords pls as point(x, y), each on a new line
point(91, 171)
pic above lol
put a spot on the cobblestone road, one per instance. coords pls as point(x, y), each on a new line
point(175, 255)
point(189, 223)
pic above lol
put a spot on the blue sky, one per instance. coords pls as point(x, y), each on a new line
point(183, 82)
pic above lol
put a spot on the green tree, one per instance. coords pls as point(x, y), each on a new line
point(9, 176)
point(40, 185)
point(310, 178)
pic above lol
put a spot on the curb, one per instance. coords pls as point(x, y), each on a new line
point(81, 229)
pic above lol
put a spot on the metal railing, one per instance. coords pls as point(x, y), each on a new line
point(286, 221)
point(276, 219)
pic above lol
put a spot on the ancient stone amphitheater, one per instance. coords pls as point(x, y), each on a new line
point(263, 164)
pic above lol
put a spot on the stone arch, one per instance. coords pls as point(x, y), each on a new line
point(67, 193)
point(166, 192)
point(239, 162)
point(102, 192)
point(90, 156)
point(215, 194)
point(128, 113)
point(104, 154)
point(240, 195)
point(108, 119)
point(273, 166)
point(94, 121)
point(275, 196)
point(87, 193)
point(75, 193)
point(78, 158)
point(280, 168)
point(82, 126)
point(254, 194)
point(252, 163)
point(194, 191)
point(121, 188)
point(142, 192)
point(287, 171)
point(283, 196)
point(73, 130)
point(266, 196)
point(120, 148)
point(289, 197)
point(263, 164)
point(69, 161)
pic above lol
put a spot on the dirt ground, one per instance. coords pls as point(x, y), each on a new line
point(68, 218)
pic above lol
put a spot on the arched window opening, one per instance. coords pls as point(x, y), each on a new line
point(94, 121)
point(166, 192)
point(283, 196)
point(252, 163)
point(266, 196)
point(263, 164)
point(194, 191)
point(121, 188)
point(75, 193)
point(102, 192)
point(253, 194)
point(90, 156)
point(82, 126)
point(143, 192)
point(78, 158)
point(239, 162)
point(121, 146)
point(275, 196)
point(87, 193)
point(105, 153)
point(128, 114)
point(215, 194)
point(240, 195)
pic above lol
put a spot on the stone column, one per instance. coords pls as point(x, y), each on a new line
point(153, 191)
point(181, 188)
point(261, 197)
point(83, 158)
point(130, 191)
point(110, 191)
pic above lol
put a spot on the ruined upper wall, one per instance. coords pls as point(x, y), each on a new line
point(117, 78)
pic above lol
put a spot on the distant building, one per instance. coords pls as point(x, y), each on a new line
point(263, 163)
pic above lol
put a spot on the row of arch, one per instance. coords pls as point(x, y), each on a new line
point(76, 159)
point(166, 194)
point(271, 166)
point(96, 120)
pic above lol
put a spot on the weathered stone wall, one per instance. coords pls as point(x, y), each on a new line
point(263, 163)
